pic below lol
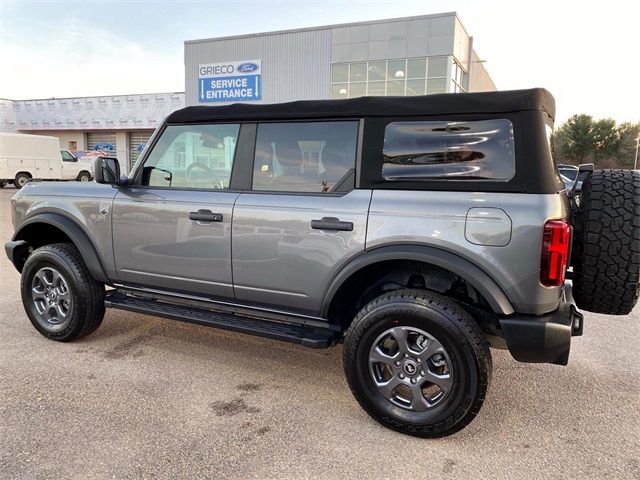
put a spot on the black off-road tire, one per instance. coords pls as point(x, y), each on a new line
point(456, 331)
point(21, 180)
point(606, 248)
point(86, 294)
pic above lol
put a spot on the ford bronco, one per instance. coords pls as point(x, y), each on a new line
point(415, 231)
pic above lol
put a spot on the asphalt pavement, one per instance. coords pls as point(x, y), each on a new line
point(145, 397)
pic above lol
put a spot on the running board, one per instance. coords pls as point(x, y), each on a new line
point(313, 337)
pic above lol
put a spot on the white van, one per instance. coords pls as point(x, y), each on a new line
point(25, 157)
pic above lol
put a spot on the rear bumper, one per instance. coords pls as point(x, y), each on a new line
point(545, 338)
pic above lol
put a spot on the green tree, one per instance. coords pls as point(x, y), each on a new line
point(606, 136)
point(579, 140)
point(629, 132)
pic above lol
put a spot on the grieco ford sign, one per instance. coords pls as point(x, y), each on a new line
point(230, 81)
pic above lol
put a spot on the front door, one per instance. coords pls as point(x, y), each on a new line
point(172, 228)
point(303, 219)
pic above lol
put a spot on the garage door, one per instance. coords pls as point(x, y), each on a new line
point(137, 141)
point(103, 141)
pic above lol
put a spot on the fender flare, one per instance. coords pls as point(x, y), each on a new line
point(77, 235)
point(462, 267)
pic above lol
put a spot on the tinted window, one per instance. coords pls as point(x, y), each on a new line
point(304, 157)
point(192, 156)
point(480, 150)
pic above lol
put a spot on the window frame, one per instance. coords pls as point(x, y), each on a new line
point(135, 180)
point(241, 180)
point(372, 156)
point(506, 125)
point(345, 188)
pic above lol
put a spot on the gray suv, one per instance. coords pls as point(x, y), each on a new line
point(416, 231)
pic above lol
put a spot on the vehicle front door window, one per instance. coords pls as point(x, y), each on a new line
point(192, 156)
point(67, 156)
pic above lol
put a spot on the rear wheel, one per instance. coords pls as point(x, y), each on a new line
point(417, 363)
point(606, 251)
point(60, 296)
point(21, 180)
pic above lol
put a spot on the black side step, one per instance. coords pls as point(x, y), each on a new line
point(304, 335)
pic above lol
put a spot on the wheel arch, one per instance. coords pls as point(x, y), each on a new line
point(46, 228)
point(422, 254)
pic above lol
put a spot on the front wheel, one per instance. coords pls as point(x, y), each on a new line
point(417, 363)
point(61, 298)
point(84, 177)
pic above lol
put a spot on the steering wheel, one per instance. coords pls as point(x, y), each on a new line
point(194, 181)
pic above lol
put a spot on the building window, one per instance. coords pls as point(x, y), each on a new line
point(394, 77)
point(458, 78)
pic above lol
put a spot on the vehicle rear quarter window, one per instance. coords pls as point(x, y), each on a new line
point(312, 157)
point(192, 156)
point(442, 150)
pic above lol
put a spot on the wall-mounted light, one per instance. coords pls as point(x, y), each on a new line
point(342, 91)
point(399, 74)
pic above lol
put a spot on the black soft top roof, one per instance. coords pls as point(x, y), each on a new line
point(446, 103)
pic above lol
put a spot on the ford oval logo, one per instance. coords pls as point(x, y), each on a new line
point(247, 67)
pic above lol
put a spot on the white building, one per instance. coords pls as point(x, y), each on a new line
point(402, 56)
point(119, 125)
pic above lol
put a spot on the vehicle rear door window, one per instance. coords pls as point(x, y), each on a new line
point(192, 156)
point(448, 150)
point(313, 157)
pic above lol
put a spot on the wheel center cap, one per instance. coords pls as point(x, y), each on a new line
point(410, 367)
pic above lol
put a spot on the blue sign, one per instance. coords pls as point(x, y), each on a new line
point(140, 147)
point(230, 82)
point(103, 147)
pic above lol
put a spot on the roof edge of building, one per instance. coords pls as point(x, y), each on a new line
point(323, 27)
point(92, 96)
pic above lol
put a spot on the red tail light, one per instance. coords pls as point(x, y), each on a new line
point(555, 252)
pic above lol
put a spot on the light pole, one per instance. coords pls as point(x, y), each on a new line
point(635, 163)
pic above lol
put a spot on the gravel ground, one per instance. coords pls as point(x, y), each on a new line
point(150, 398)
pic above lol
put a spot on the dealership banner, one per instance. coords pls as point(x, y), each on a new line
point(230, 81)
point(117, 112)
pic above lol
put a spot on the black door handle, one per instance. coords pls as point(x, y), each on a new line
point(205, 216)
point(331, 223)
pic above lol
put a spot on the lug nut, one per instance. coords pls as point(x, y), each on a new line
point(413, 380)
point(401, 375)
point(422, 373)
point(406, 355)
point(418, 360)
point(397, 363)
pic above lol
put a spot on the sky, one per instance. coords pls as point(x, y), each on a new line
point(587, 53)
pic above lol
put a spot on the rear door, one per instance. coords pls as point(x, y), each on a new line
point(172, 228)
point(302, 219)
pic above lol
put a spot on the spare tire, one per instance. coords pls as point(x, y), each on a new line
point(606, 247)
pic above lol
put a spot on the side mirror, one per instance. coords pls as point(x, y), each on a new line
point(107, 170)
point(584, 170)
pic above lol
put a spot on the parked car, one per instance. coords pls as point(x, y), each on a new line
point(416, 231)
point(27, 157)
point(568, 174)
